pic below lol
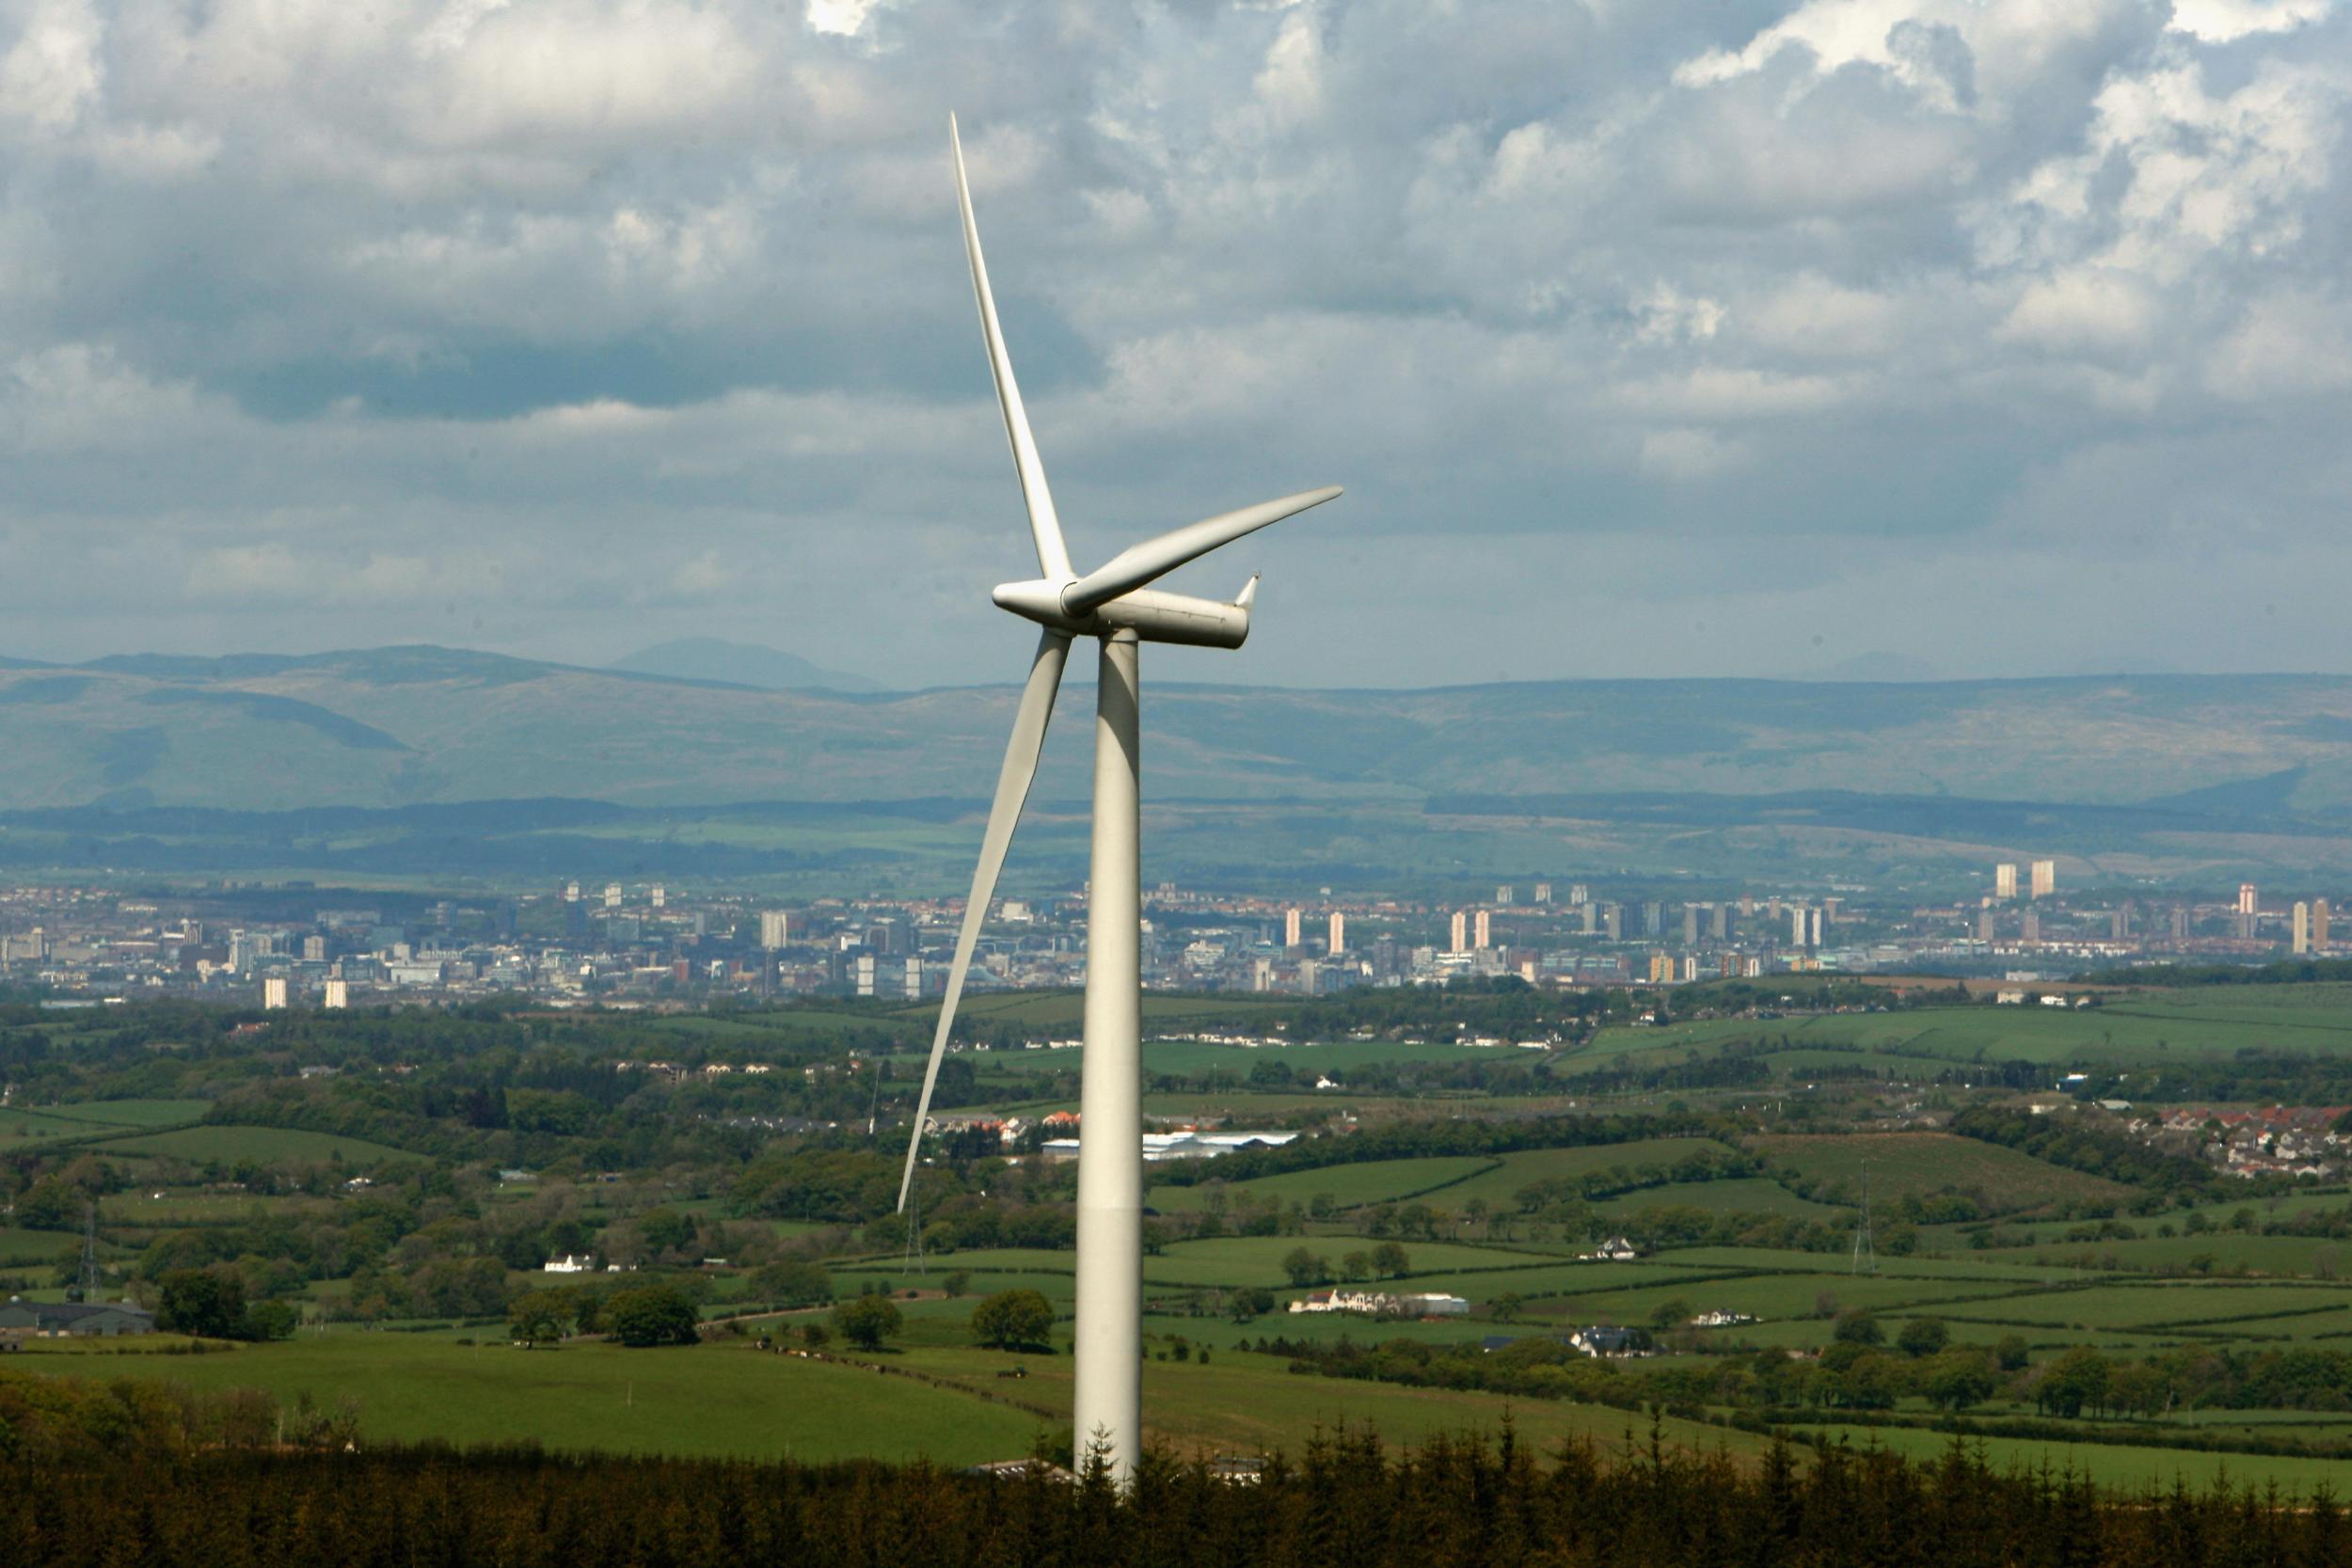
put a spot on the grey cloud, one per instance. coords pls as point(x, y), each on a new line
point(1649, 337)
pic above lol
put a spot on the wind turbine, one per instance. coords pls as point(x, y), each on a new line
point(1114, 605)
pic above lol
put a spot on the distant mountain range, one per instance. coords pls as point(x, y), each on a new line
point(388, 727)
point(714, 658)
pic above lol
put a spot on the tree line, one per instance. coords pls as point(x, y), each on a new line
point(1344, 1499)
point(2063, 1140)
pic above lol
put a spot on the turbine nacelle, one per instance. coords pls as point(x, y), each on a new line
point(1151, 614)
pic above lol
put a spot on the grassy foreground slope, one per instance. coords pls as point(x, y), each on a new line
point(720, 1400)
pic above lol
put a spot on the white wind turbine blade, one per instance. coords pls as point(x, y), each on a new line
point(1053, 555)
point(1137, 564)
point(1012, 790)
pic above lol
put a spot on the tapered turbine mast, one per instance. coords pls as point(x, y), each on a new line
point(1115, 605)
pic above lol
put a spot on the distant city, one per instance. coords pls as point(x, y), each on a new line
point(650, 944)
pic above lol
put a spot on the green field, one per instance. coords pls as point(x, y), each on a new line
point(1258, 1260)
point(686, 1145)
point(2227, 1218)
point(1226, 1261)
point(1970, 1267)
point(19, 1247)
point(1060, 1012)
point(264, 1145)
point(1749, 1195)
point(1778, 1297)
point(23, 1126)
point(1796, 1063)
point(728, 1398)
point(1532, 1278)
point(2285, 1257)
point(139, 1209)
point(2147, 1027)
point(2283, 1311)
point(1450, 1183)
point(2003, 1180)
point(1190, 1058)
point(1305, 1060)
point(2115, 1465)
point(1050, 1274)
point(1499, 1187)
point(1243, 1402)
point(1349, 1186)
point(136, 1113)
point(719, 1399)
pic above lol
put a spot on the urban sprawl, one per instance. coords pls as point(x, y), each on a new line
point(649, 944)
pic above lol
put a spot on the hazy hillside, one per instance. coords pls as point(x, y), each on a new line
point(396, 726)
point(714, 659)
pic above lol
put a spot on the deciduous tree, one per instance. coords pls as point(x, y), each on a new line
point(1013, 1320)
point(867, 1320)
point(651, 1315)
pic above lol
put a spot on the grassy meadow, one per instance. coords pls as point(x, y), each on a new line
point(1503, 1230)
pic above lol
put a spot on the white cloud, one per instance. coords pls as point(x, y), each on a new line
point(843, 18)
point(2221, 21)
point(2171, 172)
point(53, 72)
point(294, 571)
point(1941, 50)
point(480, 319)
point(1683, 454)
point(2286, 347)
point(1668, 315)
point(1811, 316)
point(704, 575)
point(246, 572)
point(1290, 85)
point(79, 398)
point(579, 69)
point(2083, 309)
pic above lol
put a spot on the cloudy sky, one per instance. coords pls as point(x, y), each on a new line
point(1986, 337)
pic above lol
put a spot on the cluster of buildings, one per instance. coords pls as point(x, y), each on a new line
point(2284, 1140)
point(1383, 1304)
point(1170, 1141)
point(43, 1319)
point(647, 943)
point(1180, 1143)
point(1604, 1341)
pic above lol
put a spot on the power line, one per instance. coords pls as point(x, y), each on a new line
point(89, 1287)
point(1864, 1249)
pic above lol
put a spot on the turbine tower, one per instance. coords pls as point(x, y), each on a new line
point(1114, 605)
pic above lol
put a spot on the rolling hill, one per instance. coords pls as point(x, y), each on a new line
point(2186, 773)
point(714, 658)
point(396, 726)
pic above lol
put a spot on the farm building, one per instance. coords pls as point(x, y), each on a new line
point(1022, 1470)
point(103, 1318)
point(1381, 1303)
point(1184, 1144)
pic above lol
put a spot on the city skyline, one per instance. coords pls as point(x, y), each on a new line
point(663, 944)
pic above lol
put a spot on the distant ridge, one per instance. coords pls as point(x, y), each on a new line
point(378, 728)
point(714, 659)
